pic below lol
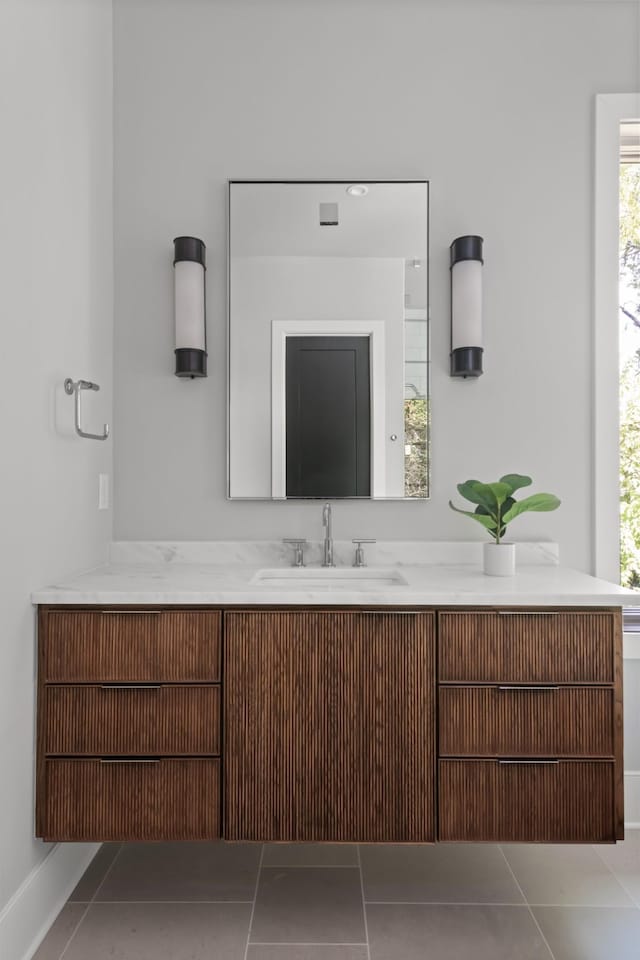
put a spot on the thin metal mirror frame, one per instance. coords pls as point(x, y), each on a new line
point(230, 184)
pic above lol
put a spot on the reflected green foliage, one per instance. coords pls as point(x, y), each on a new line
point(630, 375)
point(630, 475)
point(630, 223)
point(416, 441)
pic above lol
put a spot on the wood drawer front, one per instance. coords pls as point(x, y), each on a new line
point(128, 646)
point(542, 722)
point(172, 799)
point(534, 647)
point(487, 800)
point(134, 721)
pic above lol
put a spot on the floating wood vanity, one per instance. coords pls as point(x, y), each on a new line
point(376, 724)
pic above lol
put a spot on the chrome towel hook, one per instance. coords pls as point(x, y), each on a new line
point(72, 387)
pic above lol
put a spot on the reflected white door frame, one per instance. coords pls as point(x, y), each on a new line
point(611, 110)
point(280, 330)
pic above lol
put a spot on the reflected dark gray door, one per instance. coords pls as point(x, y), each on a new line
point(328, 417)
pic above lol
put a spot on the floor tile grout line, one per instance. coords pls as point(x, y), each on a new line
point(528, 905)
point(310, 866)
point(616, 877)
point(585, 906)
point(364, 903)
point(496, 903)
point(253, 908)
point(122, 902)
point(75, 930)
point(513, 876)
point(305, 943)
point(383, 903)
point(447, 903)
point(90, 903)
point(107, 872)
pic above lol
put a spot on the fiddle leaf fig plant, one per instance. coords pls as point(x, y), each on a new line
point(495, 504)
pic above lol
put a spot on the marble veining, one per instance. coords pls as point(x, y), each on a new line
point(225, 574)
point(273, 553)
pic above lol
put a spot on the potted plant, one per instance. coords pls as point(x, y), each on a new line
point(495, 508)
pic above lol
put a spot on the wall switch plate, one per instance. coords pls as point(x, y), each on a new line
point(103, 491)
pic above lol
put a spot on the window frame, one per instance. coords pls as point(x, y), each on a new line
point(611, 110)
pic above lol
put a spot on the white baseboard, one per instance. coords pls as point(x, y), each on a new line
point(632, 799)
point(26, 918)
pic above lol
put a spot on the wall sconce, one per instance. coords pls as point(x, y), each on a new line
point(191, 335)
point(466, 307)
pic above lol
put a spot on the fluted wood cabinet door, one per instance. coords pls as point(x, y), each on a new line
point(329, 726)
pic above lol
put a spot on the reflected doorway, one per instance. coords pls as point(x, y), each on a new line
point(328, 417)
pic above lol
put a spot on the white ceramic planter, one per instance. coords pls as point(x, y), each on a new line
point(499, 559)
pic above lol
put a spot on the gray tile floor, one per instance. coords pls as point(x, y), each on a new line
point(340, 902)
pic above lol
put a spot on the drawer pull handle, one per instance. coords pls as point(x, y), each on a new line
point(390, 613)
point(528, 613)
point(528, 763)
point(132, 613)
point(540, 689)
point(128, 760)
point(130, 686)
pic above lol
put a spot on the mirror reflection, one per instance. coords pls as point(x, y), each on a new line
point(328, 340)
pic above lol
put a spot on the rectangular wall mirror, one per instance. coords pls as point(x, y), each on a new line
point(328, 340)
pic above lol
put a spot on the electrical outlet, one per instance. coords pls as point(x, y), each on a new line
point(103, 491)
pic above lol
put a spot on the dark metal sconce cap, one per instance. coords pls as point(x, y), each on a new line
point(466, 362)
point(189, 248)
point(466, 248)
point(190, 362)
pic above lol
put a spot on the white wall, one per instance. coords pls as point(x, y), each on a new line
point(493, 101)
point(56, 310)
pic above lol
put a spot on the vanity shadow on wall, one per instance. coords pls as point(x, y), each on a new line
point(328, 340)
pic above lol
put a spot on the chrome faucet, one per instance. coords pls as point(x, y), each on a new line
point(327, 555)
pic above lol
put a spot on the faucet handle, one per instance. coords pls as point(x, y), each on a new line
point(298, 545)
point(359, 560)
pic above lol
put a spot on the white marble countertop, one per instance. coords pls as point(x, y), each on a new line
point(154, 574)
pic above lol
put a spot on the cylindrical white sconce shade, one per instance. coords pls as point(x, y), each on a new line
point(466, 307)
point(189, 288)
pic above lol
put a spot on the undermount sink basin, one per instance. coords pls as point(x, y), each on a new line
point(358, 578)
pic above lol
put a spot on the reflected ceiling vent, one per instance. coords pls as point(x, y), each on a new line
point(328, 214)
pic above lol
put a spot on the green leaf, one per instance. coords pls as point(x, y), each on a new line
point(487, 521)
point(516, 481)
point(493, 494)
point(538, 501)
point(469, 490)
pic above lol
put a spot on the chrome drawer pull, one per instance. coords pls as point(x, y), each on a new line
point(128, 760)
point(130, 686)
point(541, 689)
point(528, 763)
